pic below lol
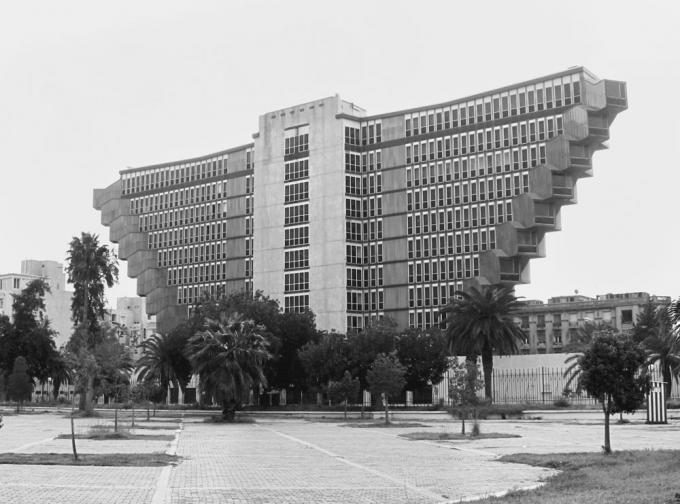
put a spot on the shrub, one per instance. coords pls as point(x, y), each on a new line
point(562, 402)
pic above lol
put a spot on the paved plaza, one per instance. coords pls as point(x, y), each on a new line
point(298, 461)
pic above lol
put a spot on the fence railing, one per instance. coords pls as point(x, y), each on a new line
point(542, 385)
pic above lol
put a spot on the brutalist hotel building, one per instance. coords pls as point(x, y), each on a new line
point(358, 216)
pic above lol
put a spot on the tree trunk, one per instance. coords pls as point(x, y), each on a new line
point(88, 404)
point(115, 419)
point(387, 411)
point(345, 408)
point(73, 439)
point(463, 414)
point(607, 445)
point(487, 367)
point(86, 306)
point(668, 378)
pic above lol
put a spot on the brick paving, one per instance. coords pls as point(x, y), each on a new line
point(295, 461)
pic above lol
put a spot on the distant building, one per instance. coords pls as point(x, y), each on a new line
point(551, 325)
point(57, 302)
point(134, 324)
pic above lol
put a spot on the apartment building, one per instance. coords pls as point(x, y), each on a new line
point(549, 326)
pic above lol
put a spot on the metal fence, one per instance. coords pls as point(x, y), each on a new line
point(542, 385)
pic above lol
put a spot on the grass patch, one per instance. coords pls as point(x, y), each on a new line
point(444, 436)
point(220, 420)
point(120, 435)
point(627, 477)
point(154, 427)
point(398, 425)
point(87, 459)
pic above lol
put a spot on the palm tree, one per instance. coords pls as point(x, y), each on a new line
point(229, 358)
point(164, 360)
point(90, 265)
point(663, 346)
point(480, 322)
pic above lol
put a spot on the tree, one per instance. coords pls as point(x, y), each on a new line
point(464, 383)
point(19, 384)
point(364, 347)
point(585, 334)
point(646, 322)
point(30, 334)
point(610, 371)
point(424, 354)
point(229, 358)
point(90, 266)
point(386, 377)
point(98, 363)
point(663, 347)
point(325, 360)
point(164, 359)
point(286, 332)
point(480, 322)
point(345, 390)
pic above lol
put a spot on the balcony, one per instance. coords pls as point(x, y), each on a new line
point(563, 192)
point(510, 277)
point(544, 220)
point(580, 162)
point(527, 249)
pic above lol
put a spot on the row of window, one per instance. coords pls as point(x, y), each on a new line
point(477, 166)
point(364, 254)
point(365, 277)
point(469, 192)
point(431, 295)
point(365, 230)
point(296, 303)
point(469, 216)
point(296, 259)
point(439, 270)
point(296, 143)
point(361, 163)
point(193, 293)
point(187, 235)
point(156, 178)
point(442, 245)
point(363, 208)
point(358, 186)
point(296, 191)
point(556, 93)
point(297, 169)
point(358, 322)
point(371, 133)
point(208, 272)
point(188, 215)
point(297, 214)
point(365, 301)
point(296, 237)
point(424, 319)
point(178, 198)
point(489, 139)
point(191, 255)
point(296, 282)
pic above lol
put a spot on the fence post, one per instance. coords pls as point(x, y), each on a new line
point(543, 384)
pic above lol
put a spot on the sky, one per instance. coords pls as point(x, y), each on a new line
point(91, 88)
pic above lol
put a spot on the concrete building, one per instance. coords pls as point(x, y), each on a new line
point(551, 325)
point(57, 302)
point(360, 216)
point(135, 324)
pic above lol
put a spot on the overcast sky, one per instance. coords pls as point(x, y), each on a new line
point(88, 89)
